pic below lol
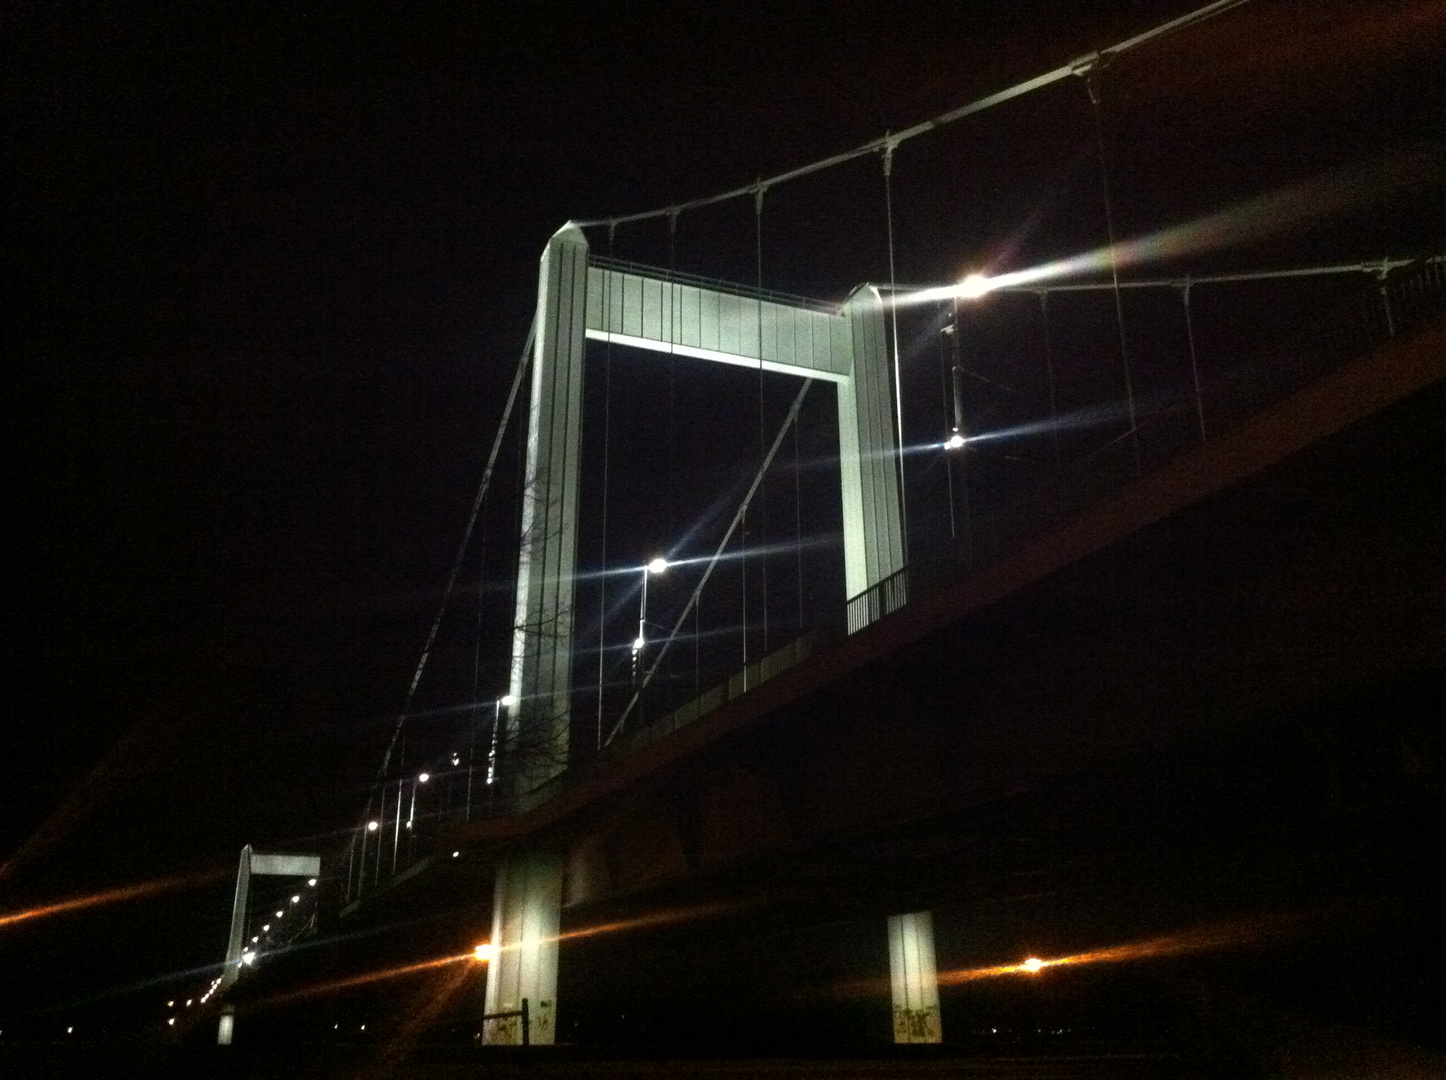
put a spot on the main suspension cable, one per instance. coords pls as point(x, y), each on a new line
point(457, 562)
point(1079, 66)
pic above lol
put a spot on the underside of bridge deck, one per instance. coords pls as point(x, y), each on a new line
point(1208, 741)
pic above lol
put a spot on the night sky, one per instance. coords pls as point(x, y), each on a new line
point(270, 267)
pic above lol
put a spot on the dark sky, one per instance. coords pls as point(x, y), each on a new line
point(270, 266)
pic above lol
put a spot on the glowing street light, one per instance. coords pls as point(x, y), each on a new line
point(482, 953)
point(506, 701)
point(422, 778)
point(658, 565)
point(974, 286)
point(1033, 964)
point(955, 441)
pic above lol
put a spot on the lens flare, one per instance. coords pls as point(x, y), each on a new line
point(661, 918)
point(974, 286)
point(367, 978)
point(114, 896)
point(1275, 213)
point(1198, 939)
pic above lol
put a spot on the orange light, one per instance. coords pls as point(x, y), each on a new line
point(323, 989)
point(1033, 964)
point(112, 896)
point(482, 953)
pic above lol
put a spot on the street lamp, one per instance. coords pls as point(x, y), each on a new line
point(422, 778)
point(974, 286)
point(956, 384)
point(656, 566)
point(505, 701)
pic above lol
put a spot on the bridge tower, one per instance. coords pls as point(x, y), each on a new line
point(578, 301)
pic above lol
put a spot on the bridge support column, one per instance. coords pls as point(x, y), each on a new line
point(541, 682)
point(869, 468)
point(914, 978)
point(526, 910)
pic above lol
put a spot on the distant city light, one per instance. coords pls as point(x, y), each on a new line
point(1033, 964)
point(424, 778)
point(508, 700)
point(955, 441)
point(296, 899)
point(311, 882)
point(373, 826)
point(483, 952)
point(658, 565)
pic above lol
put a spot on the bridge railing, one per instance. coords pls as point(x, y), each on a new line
point(1230, 394)
point(1395, 305)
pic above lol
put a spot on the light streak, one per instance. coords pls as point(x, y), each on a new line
point(1274, 213)
point(430, 1002)
point(367, 978)
point(1198, 939)
point(1077, 420)
point(113, 896)
point(661, 918)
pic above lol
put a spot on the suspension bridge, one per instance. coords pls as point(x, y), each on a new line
point(806, 625)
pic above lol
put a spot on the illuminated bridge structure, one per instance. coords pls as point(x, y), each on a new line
point(1073, 647)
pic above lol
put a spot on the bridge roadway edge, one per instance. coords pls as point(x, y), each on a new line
point(858, 872)
point(1347, 396)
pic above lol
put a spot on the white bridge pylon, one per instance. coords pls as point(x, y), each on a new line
point(577, 302)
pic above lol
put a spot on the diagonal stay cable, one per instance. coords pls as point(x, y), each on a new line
point(713, 562)
point(482, 489)
point(886, 143)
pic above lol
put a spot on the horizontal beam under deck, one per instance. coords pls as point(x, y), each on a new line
point(687, 319)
